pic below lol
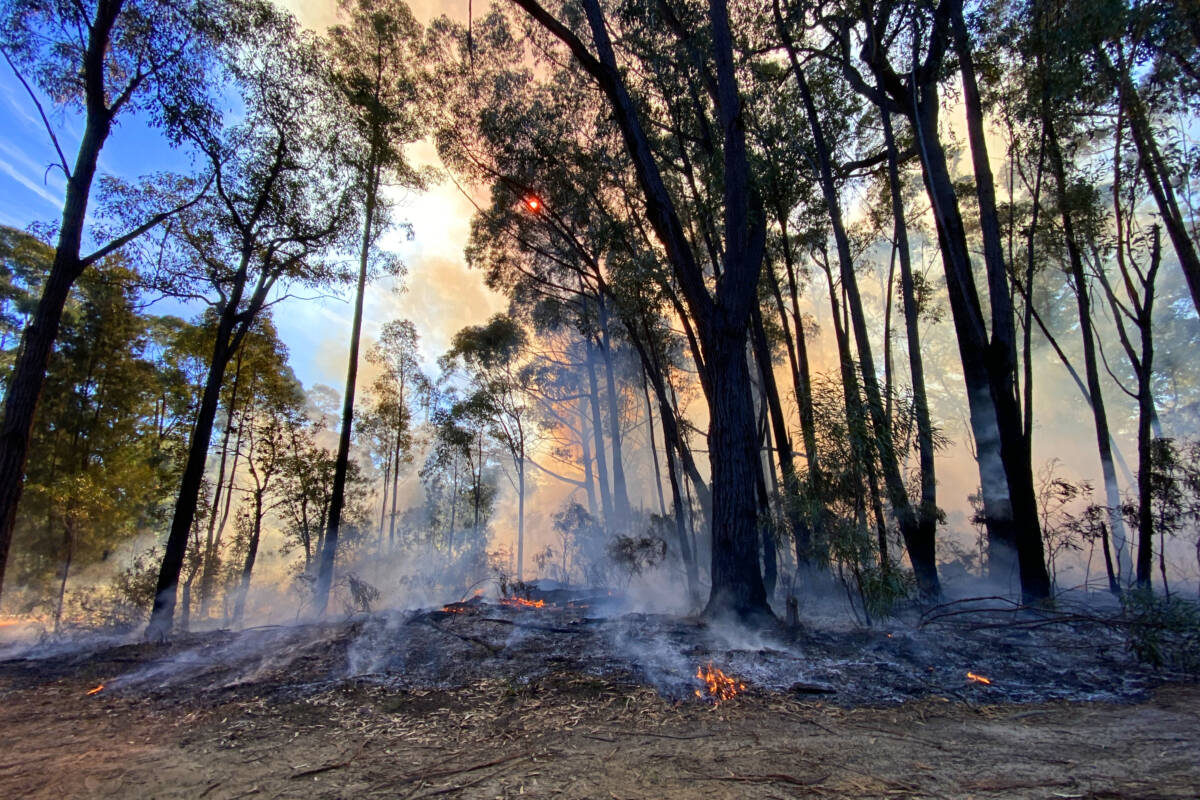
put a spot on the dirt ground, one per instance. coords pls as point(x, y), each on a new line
point(575, 736)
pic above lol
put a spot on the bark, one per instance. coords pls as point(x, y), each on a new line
point(787, 465)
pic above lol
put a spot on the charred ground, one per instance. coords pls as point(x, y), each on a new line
point(488, 700)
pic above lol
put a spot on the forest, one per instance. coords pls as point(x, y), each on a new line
point(812, 315)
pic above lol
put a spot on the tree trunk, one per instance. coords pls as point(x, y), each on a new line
point(163, 613)
point(927, 511)
point(209, 568)
point(620, 490)
point(1158, 176)
point(239, 608)
point(521, 518)
point(341, 464)
point(662, 504)
point(606, 500)
point(1090, 360)
point(589, 480)
point(29, 371)
point(787, 464)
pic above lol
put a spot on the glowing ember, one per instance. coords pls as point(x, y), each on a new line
point(453, 609)
point(533, 203)
point(717, 685)
point(521, 602)
point(96, 690)
point(971, 676)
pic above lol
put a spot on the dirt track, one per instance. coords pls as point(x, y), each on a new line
point(576, 736)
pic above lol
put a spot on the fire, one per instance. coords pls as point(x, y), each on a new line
point(717, 685)
point(533, 203)
point(453, 609)
point(97, 690)
point(971, 676)
point(521, 602)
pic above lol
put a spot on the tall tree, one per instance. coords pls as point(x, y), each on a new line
point(721, 317)
point(374, 56)
point(279, 201)
point(105, 59)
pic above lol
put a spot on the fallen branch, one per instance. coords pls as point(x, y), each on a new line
point(550, 628)
point(493, 649)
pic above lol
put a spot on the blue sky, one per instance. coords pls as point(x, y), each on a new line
point(440, 295)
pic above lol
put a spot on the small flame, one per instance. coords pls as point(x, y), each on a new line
point(971, 676)
point(717, 685)
point(97, 690)
point(521, 602)
point(533, 203)
point(453, 609)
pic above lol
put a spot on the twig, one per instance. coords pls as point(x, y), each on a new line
point(476, 782)
point(329, 767)
point(773, 777)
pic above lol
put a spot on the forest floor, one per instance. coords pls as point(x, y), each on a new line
point(576, 736)
point(300, 711)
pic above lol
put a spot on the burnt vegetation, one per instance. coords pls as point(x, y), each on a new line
point(848, 352)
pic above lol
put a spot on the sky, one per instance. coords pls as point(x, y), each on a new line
point(439, 294)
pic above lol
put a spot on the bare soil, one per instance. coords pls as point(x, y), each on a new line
point(572, 735)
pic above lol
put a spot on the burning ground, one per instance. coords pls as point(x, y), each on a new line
point(568, 698)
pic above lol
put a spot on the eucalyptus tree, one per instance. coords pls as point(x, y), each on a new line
point(720, 315)
point(274, 413)
point(493, 356)
point(916, 528)
point(280, 201)
point(883, 33)
point(94, 437)
point(375, 60)
point(104, 60)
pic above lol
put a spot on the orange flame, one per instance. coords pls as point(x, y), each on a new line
point(453, 609)
point(971, 676)
point(521, 602)
point(96, 690)
point(717, 685)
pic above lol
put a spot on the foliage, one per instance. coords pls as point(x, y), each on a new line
point(1163, 631)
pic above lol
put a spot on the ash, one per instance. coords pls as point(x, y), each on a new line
point(1027, 656)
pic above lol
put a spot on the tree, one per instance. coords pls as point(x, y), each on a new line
point(373, 60)
point(492, 354)
point(105, 59)
point(720, 317)
point(279, 201)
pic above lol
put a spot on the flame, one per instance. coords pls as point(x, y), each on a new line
point(533, 203)
point(96, 690)
point(717, 685)
point(971, 676)
point(453, 609)
point(521, 602)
